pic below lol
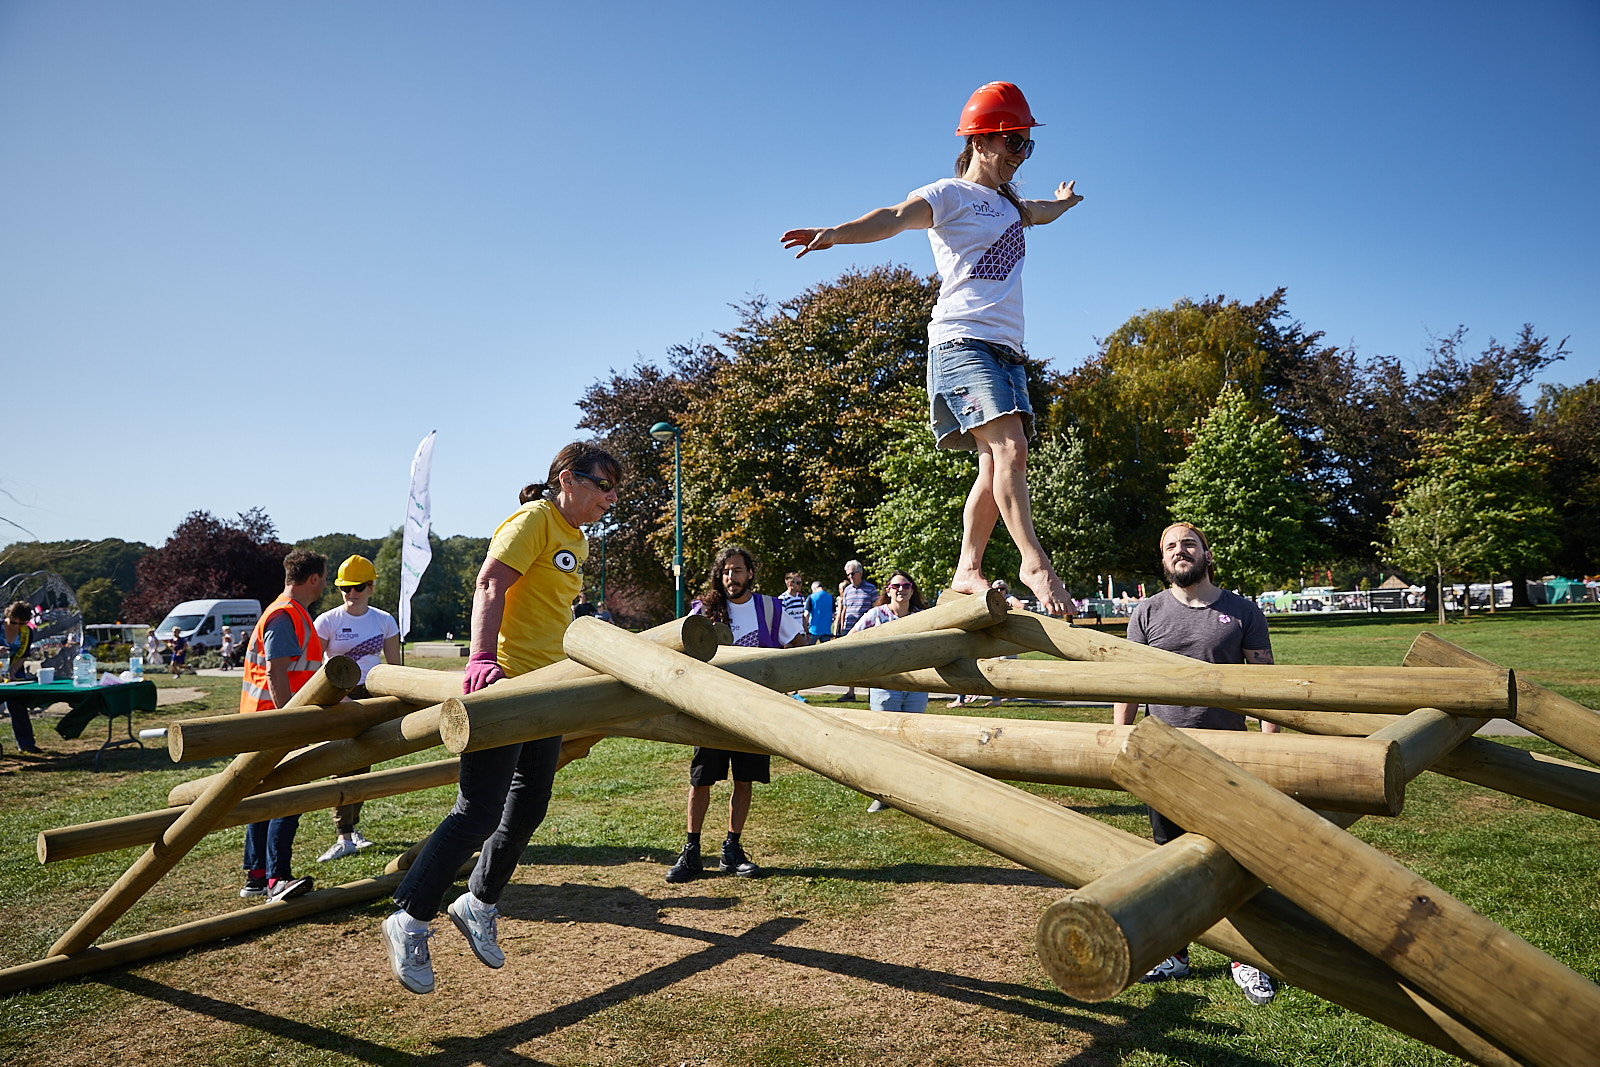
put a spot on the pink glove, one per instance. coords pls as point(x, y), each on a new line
point(482, 670)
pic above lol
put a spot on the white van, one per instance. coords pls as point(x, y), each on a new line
point(201, 621)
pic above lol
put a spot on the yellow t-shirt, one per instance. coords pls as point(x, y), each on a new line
point(549, 553)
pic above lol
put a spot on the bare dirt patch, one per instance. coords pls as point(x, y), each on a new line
point(612, 965)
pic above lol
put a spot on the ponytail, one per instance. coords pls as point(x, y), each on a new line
point(533, 492)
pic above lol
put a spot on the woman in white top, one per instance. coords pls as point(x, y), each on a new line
point(977, 384)
point(369, 636)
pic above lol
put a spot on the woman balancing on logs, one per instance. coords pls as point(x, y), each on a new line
point(520, 609)
point(977, 387)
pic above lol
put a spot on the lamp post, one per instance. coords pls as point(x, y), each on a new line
point(665, 431)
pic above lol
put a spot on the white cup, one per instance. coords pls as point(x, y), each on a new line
point(47, 675)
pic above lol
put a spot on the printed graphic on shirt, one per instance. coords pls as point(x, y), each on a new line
point(997, 263)
point(565, 560)
point(987, 210)
point(372, 646)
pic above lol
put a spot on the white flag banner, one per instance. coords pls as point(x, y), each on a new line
point(415, 552)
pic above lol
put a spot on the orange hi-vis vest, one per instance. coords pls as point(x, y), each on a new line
point(256, 695)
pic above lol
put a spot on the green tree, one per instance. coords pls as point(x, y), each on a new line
point(77, 562)
point(1238, 483)
point(1566, 420)
point(99, 600)
point(442, 603)
point(916, 525)
point(780, 437)
point(1479, 501)
point(1072, 510)
point(1153, 378)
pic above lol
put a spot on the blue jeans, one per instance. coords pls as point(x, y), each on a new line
point(972, 382)
point(504, 795)
point(270, 845)
point(21, 727)
point(897, 700)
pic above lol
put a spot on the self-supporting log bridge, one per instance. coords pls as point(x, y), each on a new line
point(1268, 810)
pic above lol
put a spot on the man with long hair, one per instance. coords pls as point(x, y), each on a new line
point(757, 621)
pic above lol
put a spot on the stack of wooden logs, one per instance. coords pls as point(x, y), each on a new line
point(1340, 919)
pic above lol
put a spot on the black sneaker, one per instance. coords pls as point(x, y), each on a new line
point(254, 887)
point(734, 859)
point(688, 868)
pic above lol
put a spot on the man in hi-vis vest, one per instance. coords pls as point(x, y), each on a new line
point(283, 654)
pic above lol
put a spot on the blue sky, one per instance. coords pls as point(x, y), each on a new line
point(251, 254)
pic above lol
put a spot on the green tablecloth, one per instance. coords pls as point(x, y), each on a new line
point(112, 701)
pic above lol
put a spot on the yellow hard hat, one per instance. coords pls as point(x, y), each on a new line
point(357, 570)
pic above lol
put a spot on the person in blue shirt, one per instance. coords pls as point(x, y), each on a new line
point(819, 613)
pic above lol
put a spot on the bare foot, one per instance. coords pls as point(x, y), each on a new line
point(1047, 589)
point(972, 582)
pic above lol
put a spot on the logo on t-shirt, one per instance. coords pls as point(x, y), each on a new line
point(565, 561)
point(1224, 619)
point(987, 210)
point(1002, 256)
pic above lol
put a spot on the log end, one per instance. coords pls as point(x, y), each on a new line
point(700, 637)
point(342, 672)
point(1083, 949)
point(455, 725)
point(175, 741)
point(1394, 779)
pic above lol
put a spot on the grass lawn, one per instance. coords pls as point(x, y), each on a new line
point(872, 938)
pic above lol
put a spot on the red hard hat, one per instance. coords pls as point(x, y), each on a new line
point(996, 107)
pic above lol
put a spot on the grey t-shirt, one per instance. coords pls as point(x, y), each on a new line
point(1216, 633)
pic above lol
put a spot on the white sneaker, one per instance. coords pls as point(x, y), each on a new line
point(1258, 986)
point(481, 933)
point(876, 806)
point(359, 841)
point(408, 955)
point(339, 850)
point(1171, 967)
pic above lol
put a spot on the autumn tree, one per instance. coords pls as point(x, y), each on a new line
point(1239, 484)
point(207, 557)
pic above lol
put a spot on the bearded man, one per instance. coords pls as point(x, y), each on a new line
point(1194, 617)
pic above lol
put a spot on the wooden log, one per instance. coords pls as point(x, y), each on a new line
point(1117, 928)
point(1556, 783)
point(419, 730)
point(108, 835)
point(595, 703)
point(1365, 778)
point(229, 735)
point(128, 950)
point(1058, 638)
point(1486, 693)
point(1535, 1007)
point(692, 635)
point(328, 686)
point(1550, 715)
point(1046, 837)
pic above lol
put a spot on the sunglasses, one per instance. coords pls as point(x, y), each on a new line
point(901, 585)
point(354, 588)
point(1019, 144)
point(605, 485)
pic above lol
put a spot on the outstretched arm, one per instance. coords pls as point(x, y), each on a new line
point(885, 222)
point(1049, 210)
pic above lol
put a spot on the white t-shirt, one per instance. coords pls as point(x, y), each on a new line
point(746, 630)
point(978, 245)
point(360, 637)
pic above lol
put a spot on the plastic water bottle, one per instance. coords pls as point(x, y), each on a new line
point(85, 671)
point(5, 663)
point(136, 665)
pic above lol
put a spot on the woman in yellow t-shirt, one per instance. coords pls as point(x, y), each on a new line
point(519, 612)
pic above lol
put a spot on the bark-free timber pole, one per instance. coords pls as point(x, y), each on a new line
point(108, 835)
point(1556, 783)
point(1550, 715)
point(1484, 694)
point(418, 731)
point(1098, 940)
point(1046, 837)
point(160, 942)
point(329, 685)
point(1535, 1007)
point(596, 703)
point(229, 735)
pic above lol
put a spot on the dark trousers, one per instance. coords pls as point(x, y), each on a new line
point(504, 795)
point(21, 727)
point(270, 845)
